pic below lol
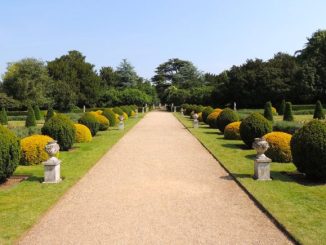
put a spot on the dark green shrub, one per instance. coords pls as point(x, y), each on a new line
point(281, 110)
point(109, 114)
point(226, 117)
point(3, 117)
point(126, 109)
point(308, 146)
point(254, 126)
point(9, 153)
point(30, 119)
point(319, 112)
point(189, 109)
point(49, 114)
point(268, 114)
point(62, 129)
point(208, 110)
point(37, 112)
point(288, 114)
point(90, 121)
point(118, 110)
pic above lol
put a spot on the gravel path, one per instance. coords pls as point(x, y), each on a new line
point(158, 185)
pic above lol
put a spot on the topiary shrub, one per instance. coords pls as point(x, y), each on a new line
point(37, 112)
point(319, 113)
point(232, 131)
point(126, 109)
point(200, 116)
point(104, 122)
point(226, 117)
point(30, 119)
point(9, 153)
point(90, 121)
point(110, 115)
point(118, 110)
point(62, 129)
point(288, 114)
point(282, 108)
point(3, 117)
point(308, 146)
point(268, 114)
point(274, 111)
point(50, 113)
point(208, 110)
point(254, 126)
point(33, 149)
point(279, 146)
point(83, 134)
point(211, 119)
point(125, 116)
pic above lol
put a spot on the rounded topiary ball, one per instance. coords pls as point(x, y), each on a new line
point(279, 146)
point(33, 149)
point(232, 131)
point(308, 146)
point(90, 121)
point(254, 126)
point(62, 129)
point(226, 117)
point(83, 134)
point(9, 153)
point(118, 110)
point(208, 110)
point(104, 122)
point(211, 119)
point(110, 115)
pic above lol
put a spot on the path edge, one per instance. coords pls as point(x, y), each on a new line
point(269, 215)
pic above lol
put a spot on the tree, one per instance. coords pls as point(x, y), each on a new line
point(282, 107)
point(177, 96)
point(30, 119)
point(288, 115)
point(268, 114)
point(319, 112)
point(109, 77)
point(37, 112)
point(3, 116)
point(8, 102)
point(126, 74)
point(77, 77)
point(27, 81)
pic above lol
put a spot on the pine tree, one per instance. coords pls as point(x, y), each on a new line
point(282, 108)
point(30, 119)
point(49, 114)
point(268, 114)
point(319, 112)
point(288, 115)
point(37, 112)
point(3, 117)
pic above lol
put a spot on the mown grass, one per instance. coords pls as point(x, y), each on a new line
point(300, 208)
point(22, 205)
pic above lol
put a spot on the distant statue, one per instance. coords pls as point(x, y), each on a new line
point(234, 106)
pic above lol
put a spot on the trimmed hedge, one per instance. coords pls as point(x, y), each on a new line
point(319, 112)
point(208, 110)
point(226, 117)
point(90, 121)
point(50, 113)
point(110, 115)
point(3, 117)
point(9, 153)
point(308, 146)
point(37, 112)
point(288, 114)
point(83, 134)
point(104, 122)
point(211, 119)
point(232, 131)
point(279, 146)
point(254, 126)
point(118, 110)
point(30, 119)
point(62, 129)
point(268, 114)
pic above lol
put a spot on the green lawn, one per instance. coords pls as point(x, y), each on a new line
point(23, 205)
point(300, 208)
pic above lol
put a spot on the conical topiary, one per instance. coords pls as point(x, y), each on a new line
point(49, 114)
point(288, 115)
point(30, 119)
point(3, 117)
point(319, 112)
point(37, 112)
point(282, 108)
point(268, 114)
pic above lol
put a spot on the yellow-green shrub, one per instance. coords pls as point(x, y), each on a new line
point(125, 116)
point(133, 113)
point(83, 134)
point(33, 149)
point(274, 111)
point(232, 131)
point(279, 146)
point(200, 116)
point(211, 119)
point(104, 122)
point(100, 112)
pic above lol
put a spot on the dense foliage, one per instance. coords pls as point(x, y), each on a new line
point(226, 117)
point(3, 116)
point(83, 134)
point(30, 119)
point(208, 110)
point(232, 131)
point(268, 114)
point(288, 114)
point(279, 146)
point(110, 115)
point(90, 121)
point(308, 146)
point(319, 112)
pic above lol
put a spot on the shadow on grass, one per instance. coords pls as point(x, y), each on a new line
point(299, 178)
point(210, 132)
point(250, 156)
point(35, 179)
point(236, 146)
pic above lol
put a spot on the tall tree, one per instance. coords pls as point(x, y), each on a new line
point(109, 76)
point(126, 74)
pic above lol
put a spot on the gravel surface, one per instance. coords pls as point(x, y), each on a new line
point(157, 185)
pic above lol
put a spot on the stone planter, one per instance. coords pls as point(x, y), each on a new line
point(261, 163)
point(195, 122)
point(121, 125)
point(52, 165)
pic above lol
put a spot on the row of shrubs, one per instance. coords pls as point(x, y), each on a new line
point(30, 150)
point(305, 148)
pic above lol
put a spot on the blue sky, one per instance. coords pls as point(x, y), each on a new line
point(214, 35)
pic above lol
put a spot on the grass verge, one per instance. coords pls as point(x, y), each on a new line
point(23, 205)
point(299, 208)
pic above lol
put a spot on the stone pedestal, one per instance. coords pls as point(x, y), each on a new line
point(142, 110)
point(121, 125)
point(175, 109)
point(52, 170)
point(262, 169)
point(196, 123)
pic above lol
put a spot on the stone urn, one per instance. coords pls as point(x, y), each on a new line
point(262, 162)
point(121, 123)
point(195, 122)
point(52, 165)
point(181, 110)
